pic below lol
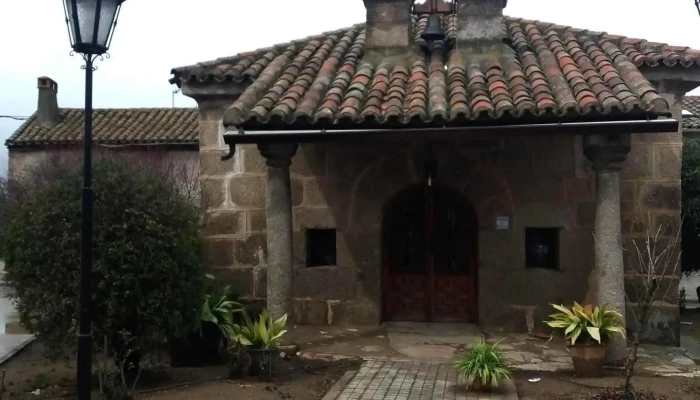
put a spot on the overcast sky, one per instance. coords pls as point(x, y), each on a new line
point(155, 35)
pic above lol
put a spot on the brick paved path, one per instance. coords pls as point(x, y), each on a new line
point(394, 380)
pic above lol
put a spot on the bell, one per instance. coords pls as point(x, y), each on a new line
point(434, 31)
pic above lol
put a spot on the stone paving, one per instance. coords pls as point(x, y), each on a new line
point(412, 361)
point(397, 380)
point(440, 344)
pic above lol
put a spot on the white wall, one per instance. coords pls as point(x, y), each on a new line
point(690, 283)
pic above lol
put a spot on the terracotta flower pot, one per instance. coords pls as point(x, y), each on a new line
point(478, 385)
point(588, 359)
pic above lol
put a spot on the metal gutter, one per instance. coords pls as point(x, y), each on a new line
point(240, 136)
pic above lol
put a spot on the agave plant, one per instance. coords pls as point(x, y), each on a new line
point(586, 324)
point(482, 364)
point(264, 333)
point(219, 310)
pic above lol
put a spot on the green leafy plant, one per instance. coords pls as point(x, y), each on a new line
point(264, 333)
point(148, 264)
point(483, 363)
point(586, 324)
point(219, 310)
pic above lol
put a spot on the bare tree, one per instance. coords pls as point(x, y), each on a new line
point(657, 256)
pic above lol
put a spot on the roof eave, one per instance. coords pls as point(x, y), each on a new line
point(241, 136)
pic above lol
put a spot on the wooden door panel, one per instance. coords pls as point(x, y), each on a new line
point(454, 259)
point(406, 299)
point(453, 299)
point(405, 294)
point(430, 252)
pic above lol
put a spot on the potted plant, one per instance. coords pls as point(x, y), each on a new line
point(482, 367)
point(214, 327)
point(259, 340)
point(586, 330)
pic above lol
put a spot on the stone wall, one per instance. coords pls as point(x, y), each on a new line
point(536, 181)
point(651, 199)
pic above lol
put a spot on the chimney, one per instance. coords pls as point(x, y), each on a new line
point(47, 113)
point(480, 26)
point(389, 31)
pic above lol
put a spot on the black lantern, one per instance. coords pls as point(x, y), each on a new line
point(90, 27)
point(91, 24)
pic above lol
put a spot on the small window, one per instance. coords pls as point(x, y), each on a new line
point(542, 248)
point(320, 247)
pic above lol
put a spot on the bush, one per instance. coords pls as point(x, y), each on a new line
point(147, 264)
point(690, 179)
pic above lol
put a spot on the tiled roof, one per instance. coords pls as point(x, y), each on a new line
point(691, 104)
point(558, 72)
point(114, 126)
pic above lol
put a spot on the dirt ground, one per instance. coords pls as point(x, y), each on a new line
point(563, 386)
point(29, 371)
point(295, 379)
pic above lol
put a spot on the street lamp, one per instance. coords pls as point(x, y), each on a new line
point(697, 5)
point(90, 27)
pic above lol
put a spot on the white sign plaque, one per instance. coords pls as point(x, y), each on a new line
point(502, 223)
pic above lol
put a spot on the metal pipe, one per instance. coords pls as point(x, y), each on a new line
point(599, 127)
point(242, 136)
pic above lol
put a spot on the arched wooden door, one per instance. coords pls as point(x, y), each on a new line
point(430, 256)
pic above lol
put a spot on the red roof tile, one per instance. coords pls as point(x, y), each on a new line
point(557, 71)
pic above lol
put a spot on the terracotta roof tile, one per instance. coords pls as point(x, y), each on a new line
point(547, 70)
point(171, 126)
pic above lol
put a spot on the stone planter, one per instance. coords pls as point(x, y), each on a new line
point(588, 359)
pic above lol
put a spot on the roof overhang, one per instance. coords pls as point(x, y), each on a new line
point(240, 136)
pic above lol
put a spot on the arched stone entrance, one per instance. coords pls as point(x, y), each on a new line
point(429, 242)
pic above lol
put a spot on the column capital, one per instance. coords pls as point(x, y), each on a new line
point(607, 152)
point(278, 154)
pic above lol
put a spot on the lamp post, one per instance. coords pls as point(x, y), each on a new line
point(90, 27)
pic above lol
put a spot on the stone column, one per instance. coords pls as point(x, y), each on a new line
point(280, 263)
point(608, 153)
